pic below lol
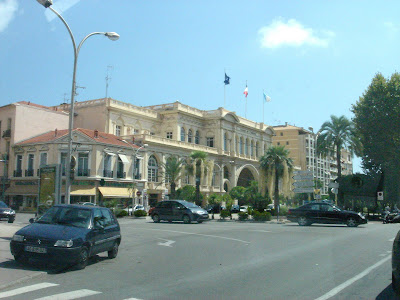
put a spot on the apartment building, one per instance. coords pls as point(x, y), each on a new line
point(302, 145)
point(21, 120)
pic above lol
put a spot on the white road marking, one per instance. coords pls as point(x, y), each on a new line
point(389, 251)
point(199, 234)
point(27, 289)
point(70, 295)
point(168, 243)
point(260, 230)
point(132, 299)
point(391, 240)
point(345, 284)
point(383, 254)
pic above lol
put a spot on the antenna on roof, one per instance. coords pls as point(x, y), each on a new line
point(108, 78)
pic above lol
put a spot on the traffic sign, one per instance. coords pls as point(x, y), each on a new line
point(303, 177)
point(307, 183)
point(333, 184)
point(138, 193)
point(303, 190)
point(302, 172)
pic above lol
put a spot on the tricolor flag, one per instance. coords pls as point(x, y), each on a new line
point(266, 98)
point(246, 91)
point(227, 78)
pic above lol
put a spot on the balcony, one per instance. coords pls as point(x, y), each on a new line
point(29, 173)
point(7, 133)
point(17, 173)
point(83, 172)
point(121, 174)
point(108, 173)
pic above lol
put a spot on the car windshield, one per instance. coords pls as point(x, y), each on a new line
point(70, 216)
point(190, 204)
point(3, 205)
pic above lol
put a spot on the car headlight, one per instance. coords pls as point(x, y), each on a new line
point(361, 215)
point(18, 238)
point(63, 243)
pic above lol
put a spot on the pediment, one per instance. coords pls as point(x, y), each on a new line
point(231, 117)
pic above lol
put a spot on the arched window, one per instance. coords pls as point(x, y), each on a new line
point(257, 149)
point(241, 145)
point(152, 166)
point(197, 137)
point(190, 136)
point(247, 147)
point(252, 149)
point(225, 142)
point(183, 134)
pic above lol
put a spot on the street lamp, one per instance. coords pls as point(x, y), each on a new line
point(112, 36)
point(134, 164)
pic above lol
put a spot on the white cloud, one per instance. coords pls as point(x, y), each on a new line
point(292, 33)
point(8, 8)
point(60, 6)
point(391, 26)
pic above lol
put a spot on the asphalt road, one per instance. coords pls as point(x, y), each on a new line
point(231, 260)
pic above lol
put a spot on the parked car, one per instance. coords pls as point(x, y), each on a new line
point(128, 209)
point(235, 208)
point(244, 208)
point(396, 264)
point(68, 235)
point(325, 213)
point(6, 213)
point(178, 210)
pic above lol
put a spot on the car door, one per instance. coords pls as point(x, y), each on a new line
point(166, 210)
point(313, 213)
point(177, 211)
point(111, 230)
point(98, 231)
point(329, 215)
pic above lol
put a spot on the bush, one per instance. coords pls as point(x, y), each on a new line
point(225, 213)
point(283, 209)
point(139, 213)
point(119, 213)
point(243, 216)
point(261, 216)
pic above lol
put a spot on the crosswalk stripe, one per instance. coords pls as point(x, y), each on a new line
point(27, 289)
point(70, 295)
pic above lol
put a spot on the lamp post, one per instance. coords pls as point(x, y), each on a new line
point(134, 165)
point(112, 36)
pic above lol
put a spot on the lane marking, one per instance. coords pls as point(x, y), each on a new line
point(199, 234)
point(132, 299)
point(345, 284)
point(70, 295)
point(260, 230)
point(168, 243)
point(27, 289)
point(391, 240)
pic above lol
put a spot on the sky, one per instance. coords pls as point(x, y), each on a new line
point(313, 58)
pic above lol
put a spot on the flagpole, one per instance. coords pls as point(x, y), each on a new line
point(263, 105)
point(224, 95)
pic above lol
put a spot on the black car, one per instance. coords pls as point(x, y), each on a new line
point(6, 213)
point(68, 235)
point(178, 210)
point(396, 264)
point(235, 208)
point(321, 212)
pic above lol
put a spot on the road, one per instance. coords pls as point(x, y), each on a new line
point(231, 260)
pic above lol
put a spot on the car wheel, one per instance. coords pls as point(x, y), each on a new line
point(303, 221)
point(156, 218)
point(395, 285)
point(114, 251)
point(351, 222)
point(19, 258)
point(186, 219)
point(200, 221)
point(83, 258)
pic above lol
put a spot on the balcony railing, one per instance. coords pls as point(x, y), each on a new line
point(108, 173)
point(121, 174)
point(138, 176)
point(83, 172)
point(29, 172)
point(17, 173)
point(7, 133)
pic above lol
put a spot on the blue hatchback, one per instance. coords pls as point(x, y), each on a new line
point(68, 235)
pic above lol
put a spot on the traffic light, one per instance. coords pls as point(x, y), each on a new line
point(72, 165)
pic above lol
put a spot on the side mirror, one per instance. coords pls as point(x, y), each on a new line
point(31, 220)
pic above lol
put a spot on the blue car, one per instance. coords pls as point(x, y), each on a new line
point(68, 235)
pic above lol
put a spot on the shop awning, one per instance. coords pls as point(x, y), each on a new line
point(123, 158)
point(24, 190)
point(84, 192)
point(115, 192)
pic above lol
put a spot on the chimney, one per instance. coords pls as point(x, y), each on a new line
point(55, 132)
point(96, 133)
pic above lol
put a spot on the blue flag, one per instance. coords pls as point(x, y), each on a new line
point(227, 78)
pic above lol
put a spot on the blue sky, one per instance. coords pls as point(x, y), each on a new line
point(313, 58)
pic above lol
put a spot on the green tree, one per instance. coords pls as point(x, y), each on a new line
point(238, 192)
point(197, 165)
point(338, 134)
point(173, 172)
point(377, 121)
point(254, 197)
point(274, 162)
point(187, 192)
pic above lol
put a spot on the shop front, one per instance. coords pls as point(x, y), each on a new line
point(23, 195)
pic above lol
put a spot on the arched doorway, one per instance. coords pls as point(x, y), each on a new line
point(245, 177)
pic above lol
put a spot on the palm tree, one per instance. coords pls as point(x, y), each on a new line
point(173, 171)
point(335, 135)
point(197, 166)
point(276, 162)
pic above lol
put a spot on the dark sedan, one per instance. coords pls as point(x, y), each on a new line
point(324, 213)
point(68, 235)
point(396, 264)
point(6, 213)
point(178, 210)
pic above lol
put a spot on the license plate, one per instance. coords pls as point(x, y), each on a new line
point(35, 249)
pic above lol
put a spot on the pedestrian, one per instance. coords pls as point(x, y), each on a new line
point(387, 212)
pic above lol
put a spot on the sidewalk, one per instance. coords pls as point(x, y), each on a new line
point(10, 272)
